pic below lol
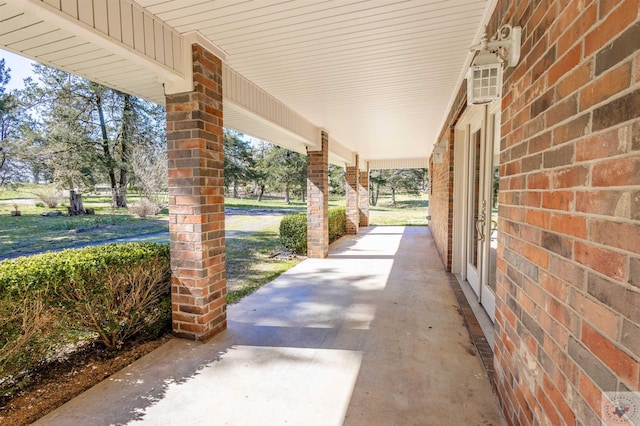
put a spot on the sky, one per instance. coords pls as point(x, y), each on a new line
point(20, 68)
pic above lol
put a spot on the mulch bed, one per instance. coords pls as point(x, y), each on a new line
point(59, 382)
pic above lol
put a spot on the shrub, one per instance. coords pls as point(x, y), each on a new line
point(293, 232)
point(51, 300)
point(124, 304)
point(49, 195)
point(337, 223)
point(293, 229)
point(144, 207)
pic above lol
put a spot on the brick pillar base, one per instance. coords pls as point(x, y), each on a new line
point(351, 189)
point(318, 200)
point(363, 190)
point(196, 202)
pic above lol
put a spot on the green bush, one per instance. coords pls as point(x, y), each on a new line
point(293, 229)
point(53, 300)
point(337, 223)
point(293, 232)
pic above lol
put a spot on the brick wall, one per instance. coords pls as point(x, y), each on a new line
point(318, 200)
point(363, 204)
point(196, 202)
point(441, 185)
point(353, 197)
point(568, 281)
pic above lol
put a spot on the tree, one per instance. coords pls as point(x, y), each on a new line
point(337, 180)
point(88, 131)
point(410, 181)
point(285, 171)
point(11, 169)
point(239, 163)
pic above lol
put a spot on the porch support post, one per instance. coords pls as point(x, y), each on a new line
point(318, 200)
point(196, 202)
point(351, 188)
point(363, 191)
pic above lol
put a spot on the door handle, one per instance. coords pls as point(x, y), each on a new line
point(482, 218)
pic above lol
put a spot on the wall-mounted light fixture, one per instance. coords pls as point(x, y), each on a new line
point(438, 152)
point(484, 78)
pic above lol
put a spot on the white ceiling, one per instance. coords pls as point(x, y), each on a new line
point(377, 74)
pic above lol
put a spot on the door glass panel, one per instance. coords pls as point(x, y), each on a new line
point(475, 194)
point(495, 180)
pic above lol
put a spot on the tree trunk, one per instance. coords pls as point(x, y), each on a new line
point(235, 188)
point(260, 192)
point(393, 196)
point(287, 197)
point(75, 203)
point(127, 132)
point(108, 157)
point(375, 194)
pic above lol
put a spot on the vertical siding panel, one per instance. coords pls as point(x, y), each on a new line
point(168, 47)
point(54, 3)
point(85, 12)
point(70, 7)
point(158, 37)
point(113, 14)
point(149, 42)
point(100, 16)
point(138, 29)
point(177, 53)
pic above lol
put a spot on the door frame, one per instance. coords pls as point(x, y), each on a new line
point(462, 225)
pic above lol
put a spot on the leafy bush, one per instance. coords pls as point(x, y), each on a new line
point(337, 223)
point(293, 229)
point(293, 232)
point(125, 303)
point(49, 300)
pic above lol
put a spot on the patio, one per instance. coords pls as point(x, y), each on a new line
point(370, 335)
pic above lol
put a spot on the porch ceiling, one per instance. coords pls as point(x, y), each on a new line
point(377, 74)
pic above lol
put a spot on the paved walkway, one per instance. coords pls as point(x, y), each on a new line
point(370, 336)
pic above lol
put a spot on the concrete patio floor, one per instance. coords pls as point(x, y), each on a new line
point(370, 336)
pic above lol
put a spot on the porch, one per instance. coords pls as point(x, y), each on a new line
point(370, 335)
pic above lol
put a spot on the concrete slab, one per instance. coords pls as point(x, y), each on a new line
point(369, 336)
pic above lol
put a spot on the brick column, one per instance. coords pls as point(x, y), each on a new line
point(196, 202)
point(318, 200)
point(363, 191)
point(351, 189)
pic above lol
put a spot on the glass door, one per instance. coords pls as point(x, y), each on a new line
point(482, 148)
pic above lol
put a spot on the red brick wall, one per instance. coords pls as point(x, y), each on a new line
point(353, 197)
point(568, 290)
point(196, 202)
point(441, 184)
point(318, 200)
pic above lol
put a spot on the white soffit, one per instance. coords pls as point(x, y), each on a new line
point(376, 74)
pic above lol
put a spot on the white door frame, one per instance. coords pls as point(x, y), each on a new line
point(473, 119)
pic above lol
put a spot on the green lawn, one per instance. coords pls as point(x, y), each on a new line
point(408, 211)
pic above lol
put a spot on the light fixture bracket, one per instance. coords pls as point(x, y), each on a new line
point(484, 78)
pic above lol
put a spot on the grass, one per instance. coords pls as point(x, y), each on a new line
point(31, 232)
point(252, 253)
point(408, 211)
